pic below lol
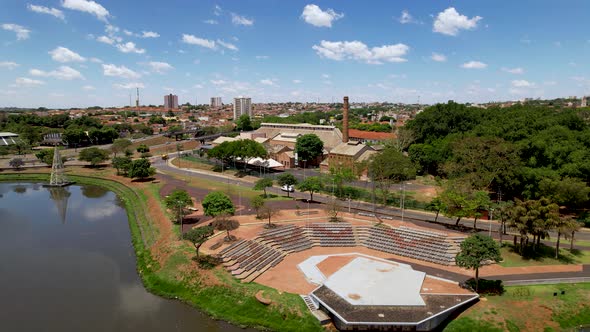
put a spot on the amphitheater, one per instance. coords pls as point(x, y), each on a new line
point(347, 271)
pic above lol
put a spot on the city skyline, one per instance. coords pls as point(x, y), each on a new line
point(79, 53)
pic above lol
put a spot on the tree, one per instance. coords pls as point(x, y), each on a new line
point(312, 184)
point(142, 148)
point(286, 179)
point(481, 201)
point(572, 227)
point(309, 147)
point(503, 209)
point(141, 168)
point(475, 250)
point(257, 203)
point(198, 236)
point(262, 184)
point(120, 145)
point(243, 123)
point(16, 163)
point(94, 156)
point(388, 167)
point(22, 146)
point(177, 201)
point(223, 222)
point(267, 212)
point(246, 149)
point(535, 217)
point(461, 201)
point(216, 203)
point(436, 205)
point(122, 164)
point(45, 156)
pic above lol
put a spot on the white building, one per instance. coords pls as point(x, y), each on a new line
point(216, 102)
point(170, 101)
point(242, 105)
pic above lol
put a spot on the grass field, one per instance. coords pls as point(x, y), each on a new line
point(529, 308)
point(544, 256)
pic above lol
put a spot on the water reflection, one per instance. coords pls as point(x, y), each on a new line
point(79, 275)
point(94, 191)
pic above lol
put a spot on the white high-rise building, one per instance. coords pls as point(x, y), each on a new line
point(170, 101)
point(242, 105)
point(216, 102)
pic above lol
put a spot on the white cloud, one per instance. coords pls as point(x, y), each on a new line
point(128, 33)
point(96, 60)
point(474, 65)
point(217, 10)
point(88, 88)
point(134, 85)
point(241, 20)
point(22, 33)
point(62, 54)
point(268, 81)
point(315, 16)
point(86, 6)
point(212, 22)
point(25, 82)
point(160, 67)
point(406, 18)
point(197, 86)
point(106, 40)
point(218, 82)
point(297, 81)
point(517, 70)
point(550, 83)
point(46, 10)
point(438, 57)
point(357, 50)
point(130, 47)
point(190, 39)
point(197, 61)
point(122, 71)
point(262, 57)
point(229, 46)
point(449, 22)
point(8, 64)
point(62, 73)
point(149, 34)
point(522, 84)
point(325, 75)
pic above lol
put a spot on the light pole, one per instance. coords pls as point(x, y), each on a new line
point(180, 216)
point(490, 221)
point(402, 201)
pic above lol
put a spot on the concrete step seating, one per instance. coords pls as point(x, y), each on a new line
point(331, 234)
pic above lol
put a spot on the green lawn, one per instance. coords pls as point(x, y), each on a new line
point(524, 308)
point(544, 256)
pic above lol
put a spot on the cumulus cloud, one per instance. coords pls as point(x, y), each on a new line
point(474, 65)
point(95, 60)
point(241, 20)
point(89, 7)
point(25, 82)
point(133, 85)
point(522, 84)
point(130, 47)
point(8, 64)
point(193, 40)
point(218, 82)
point(22, 33)
point(63, 54)
point(517, 70)
point(160, 67)
point(88, 88)
point(212, 22)
point(268, 81)
point(406, 18)
point(106, 40)
point(315, 16)
point(217, 10)
point(357, 50)
point(438, 57)
point(450, 22)
point(297, 81)
point(122, 71)
point(262, 57)
point(229, 46)
point(46, 10)
point(62, 73)
point(149, 34)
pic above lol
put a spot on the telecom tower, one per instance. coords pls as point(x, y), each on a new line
point(58, 178)
point(137, 100)
point(60, 197)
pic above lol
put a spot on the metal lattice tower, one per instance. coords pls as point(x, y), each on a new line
point(60, 196)
point(58, 177)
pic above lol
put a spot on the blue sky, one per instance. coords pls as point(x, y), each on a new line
point(77, 53)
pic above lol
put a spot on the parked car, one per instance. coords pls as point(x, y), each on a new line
point(288, 188)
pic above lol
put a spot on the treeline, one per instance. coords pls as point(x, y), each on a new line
point(523, 151)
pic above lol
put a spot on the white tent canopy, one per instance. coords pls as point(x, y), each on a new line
point(269, 163)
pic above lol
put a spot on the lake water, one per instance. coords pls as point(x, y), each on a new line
point(67, 264)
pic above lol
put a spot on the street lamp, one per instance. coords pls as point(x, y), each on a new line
point(402, 201)
point(490, 221)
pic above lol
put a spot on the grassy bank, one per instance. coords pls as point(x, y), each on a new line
point(544, 255)
point(529, 308)
point(227, 300)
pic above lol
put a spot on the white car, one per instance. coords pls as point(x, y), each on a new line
point(288, 188)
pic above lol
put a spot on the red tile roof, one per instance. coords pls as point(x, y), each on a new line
point(370, 135)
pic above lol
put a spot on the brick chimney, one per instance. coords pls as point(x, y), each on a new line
point(345, 121)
